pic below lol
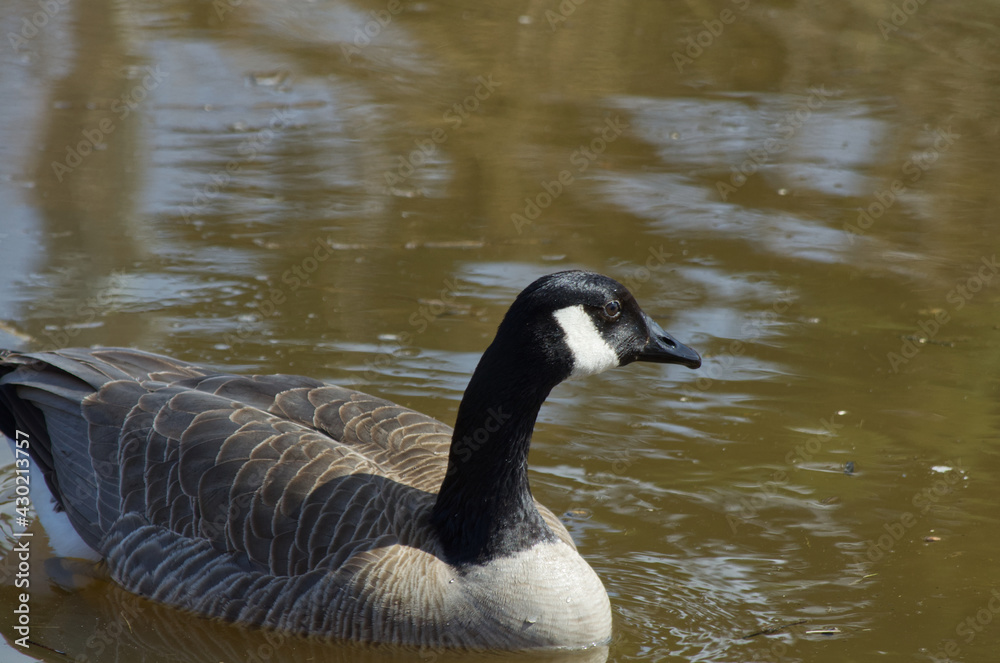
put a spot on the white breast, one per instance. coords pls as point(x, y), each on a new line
point(548, 595)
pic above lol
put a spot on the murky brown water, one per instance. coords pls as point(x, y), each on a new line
point(806, 192)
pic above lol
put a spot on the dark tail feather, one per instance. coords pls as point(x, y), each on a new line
point(43, 401)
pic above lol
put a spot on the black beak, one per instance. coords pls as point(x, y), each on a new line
point(662, 348)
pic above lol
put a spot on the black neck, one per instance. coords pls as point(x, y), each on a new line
point(484, 509)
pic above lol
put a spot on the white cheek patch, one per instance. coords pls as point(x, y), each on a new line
point(591, 353)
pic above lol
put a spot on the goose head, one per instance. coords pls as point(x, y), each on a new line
point(573, 324)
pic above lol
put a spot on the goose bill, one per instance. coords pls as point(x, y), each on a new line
point(662, 348)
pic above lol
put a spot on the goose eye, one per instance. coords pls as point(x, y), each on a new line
point(613, 309)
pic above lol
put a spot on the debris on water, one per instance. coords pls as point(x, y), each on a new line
point(863, 578)
point(932, 539)
point(278, 79)
point(771, 630)
point(579, 513)
point(406, 193)
point(439, 307)
point(454, 244)
point(833, 630)
point(849, 468)
point(923, 340)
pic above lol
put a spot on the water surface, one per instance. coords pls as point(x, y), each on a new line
point(356, 191)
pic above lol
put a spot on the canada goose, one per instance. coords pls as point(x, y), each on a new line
point(290, 503)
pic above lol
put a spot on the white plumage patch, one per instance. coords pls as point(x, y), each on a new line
point(591, 353)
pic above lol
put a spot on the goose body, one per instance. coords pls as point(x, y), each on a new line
point(287, 502)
